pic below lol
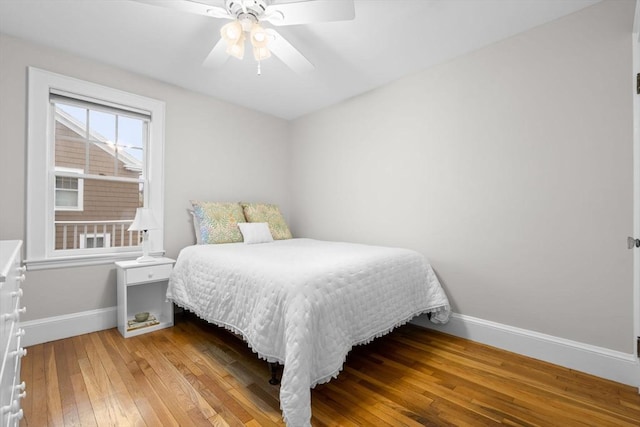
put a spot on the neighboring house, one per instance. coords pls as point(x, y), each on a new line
point(91, 213)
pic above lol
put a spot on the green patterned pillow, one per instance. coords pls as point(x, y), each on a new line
point(262, 212)
point(218, 222)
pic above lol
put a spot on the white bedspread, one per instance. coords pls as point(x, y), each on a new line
point(305, 303)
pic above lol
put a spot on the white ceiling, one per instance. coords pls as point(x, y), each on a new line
point(387, 39)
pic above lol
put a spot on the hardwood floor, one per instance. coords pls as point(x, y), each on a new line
point(195, 374)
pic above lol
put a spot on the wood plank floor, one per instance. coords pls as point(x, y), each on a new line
point(195, 374)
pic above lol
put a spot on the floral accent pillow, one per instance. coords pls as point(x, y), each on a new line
point(218, 222)
point(263, 212)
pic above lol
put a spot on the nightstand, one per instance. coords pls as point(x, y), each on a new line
point(142, 287)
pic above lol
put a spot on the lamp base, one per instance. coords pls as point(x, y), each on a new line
point(145, 258)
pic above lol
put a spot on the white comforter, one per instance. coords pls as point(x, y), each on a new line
point(305, 303)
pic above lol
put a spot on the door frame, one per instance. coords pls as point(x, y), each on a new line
point(635, 45)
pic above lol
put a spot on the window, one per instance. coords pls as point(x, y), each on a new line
point(69, 190)
point(95, 241)
point(95, 154)
point(67, 194)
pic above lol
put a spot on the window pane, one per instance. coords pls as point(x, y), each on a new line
point(72, 114)
point(102, 159)
point(131, 132)
point(66, 198)
point(94, 242)
point(70, 146)
point(132, 135)
point(130, 163)
point(108, 210)
point(102, 126)
point(102, 149)
point(64, 182)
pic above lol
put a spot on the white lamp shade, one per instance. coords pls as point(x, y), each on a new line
point(260, 53)
point(237, 49)
point(231, 32)
point(259, 37)
point(144, 220)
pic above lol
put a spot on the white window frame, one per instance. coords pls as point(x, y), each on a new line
point(80, 206)
point(40, 232)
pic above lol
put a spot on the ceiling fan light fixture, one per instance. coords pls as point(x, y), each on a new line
point(237, 49)
point(231, 32)
point(259, 38)
point(260, 53)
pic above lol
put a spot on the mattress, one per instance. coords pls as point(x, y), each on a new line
point(305, 303)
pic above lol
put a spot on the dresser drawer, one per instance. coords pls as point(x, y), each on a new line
point(151, 273)
point(11, 352)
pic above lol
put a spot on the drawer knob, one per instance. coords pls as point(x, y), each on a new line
point(16, 314)
point(17, 415)
point(17, 293)
point(15, 405)
point(21, 386)
point(22, 278)
point(21, 352)
point(150, 274)
point(20, 333)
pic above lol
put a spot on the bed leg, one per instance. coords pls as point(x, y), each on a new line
point(273, 367)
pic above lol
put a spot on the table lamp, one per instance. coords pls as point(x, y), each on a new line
point(144, 221)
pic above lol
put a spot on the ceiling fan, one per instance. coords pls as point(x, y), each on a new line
point(247, 17)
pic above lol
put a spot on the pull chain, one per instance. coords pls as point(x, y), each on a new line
point(259, 69)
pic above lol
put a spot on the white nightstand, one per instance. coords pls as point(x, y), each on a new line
point(142, 287)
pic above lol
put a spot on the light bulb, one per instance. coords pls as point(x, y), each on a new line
point(231, 32)
point(237, 49)
point(259, 37)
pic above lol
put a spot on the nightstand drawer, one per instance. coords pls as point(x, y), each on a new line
point(151, 273)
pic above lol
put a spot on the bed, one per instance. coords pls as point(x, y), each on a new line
point(305, 303)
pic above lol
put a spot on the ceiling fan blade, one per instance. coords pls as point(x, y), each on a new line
point(306, 12)
point(217, 57)
point(287, 53)
point(198, 8)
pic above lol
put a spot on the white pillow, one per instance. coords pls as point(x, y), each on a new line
point(196, 227)
point(255, 232)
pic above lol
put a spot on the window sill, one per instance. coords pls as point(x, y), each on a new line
point(83, 261)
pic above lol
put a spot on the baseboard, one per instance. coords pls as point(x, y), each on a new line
point(598, 361)
point(55, 328)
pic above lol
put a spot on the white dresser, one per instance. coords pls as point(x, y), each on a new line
point(12, 390)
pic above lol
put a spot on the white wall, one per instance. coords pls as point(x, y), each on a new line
point(213, 151)
point(510, 168)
